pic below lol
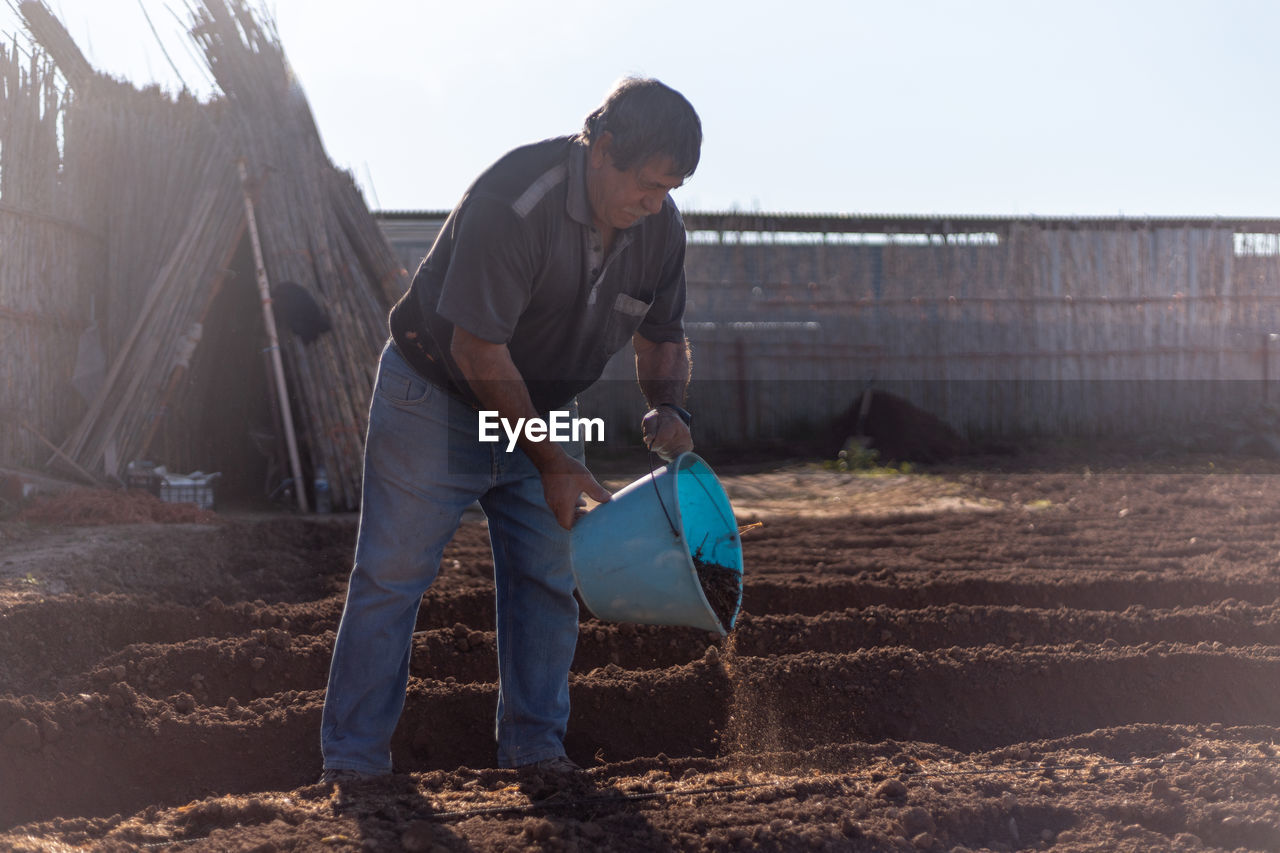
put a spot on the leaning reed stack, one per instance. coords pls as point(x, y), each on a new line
point(151, 157)
point(154, 181)
point(45, 253)
point(315, 232)
point(158, 214)
point(57, 42)
point(367, 239)
point(157, 342)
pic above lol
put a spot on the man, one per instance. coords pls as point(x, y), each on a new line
point(556, 256)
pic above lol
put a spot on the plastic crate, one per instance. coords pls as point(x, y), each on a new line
point(195, 489)
point(143, 475)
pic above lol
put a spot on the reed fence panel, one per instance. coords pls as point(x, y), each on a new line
point(1039, 329)
point(46, 256)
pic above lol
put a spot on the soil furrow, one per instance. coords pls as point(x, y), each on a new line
point(815, 594)
point(1061, 660)
point(274, 659)
point(964, 699)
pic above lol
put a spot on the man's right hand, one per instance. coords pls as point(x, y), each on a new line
point(564, 481)
point(665, 433)
point(493, 377)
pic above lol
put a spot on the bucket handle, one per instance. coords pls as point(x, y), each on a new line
point(653, 477)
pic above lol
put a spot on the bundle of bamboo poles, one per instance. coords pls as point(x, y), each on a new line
point(151, 177)
point(47, 253)
point(315, 231)
point(54, 38)
point(153, 181)
point(121, 420)
point(148, 161)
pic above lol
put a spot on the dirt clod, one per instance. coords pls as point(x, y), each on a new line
point(23, 735)
point(540, 829)
point(419, 837)
point(916, 820)
point(891, 789)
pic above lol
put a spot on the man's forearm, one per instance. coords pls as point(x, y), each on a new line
point(497, 383)
point(662, 370)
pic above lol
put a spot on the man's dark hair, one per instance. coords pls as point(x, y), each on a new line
point(647, 118)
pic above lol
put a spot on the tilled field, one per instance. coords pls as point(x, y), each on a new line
point(1046, 659)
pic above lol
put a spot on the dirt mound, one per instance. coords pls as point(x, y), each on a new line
point(896, 430)
point(1090, 661)
point(108, 506)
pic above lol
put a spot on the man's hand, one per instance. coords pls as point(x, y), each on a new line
point(564, 480)
point(663, 371)
point(665, 433)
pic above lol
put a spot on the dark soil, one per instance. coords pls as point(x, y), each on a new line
point(722, 585)
point(107, 506)
point(1080, 658)
point(896, 430)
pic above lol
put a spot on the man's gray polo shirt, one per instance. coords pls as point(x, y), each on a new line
point(518, 262)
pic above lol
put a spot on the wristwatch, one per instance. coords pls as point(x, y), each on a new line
point(683, 414)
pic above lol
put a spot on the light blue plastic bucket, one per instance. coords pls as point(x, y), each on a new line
point(633, 556)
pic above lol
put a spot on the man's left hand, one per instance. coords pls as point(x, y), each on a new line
point(665, 433)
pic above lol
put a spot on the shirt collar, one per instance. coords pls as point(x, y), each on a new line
point(578, 204)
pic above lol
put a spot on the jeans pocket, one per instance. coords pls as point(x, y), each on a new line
point(402, 387)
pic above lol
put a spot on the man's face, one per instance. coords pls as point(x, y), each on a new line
point(621, 198)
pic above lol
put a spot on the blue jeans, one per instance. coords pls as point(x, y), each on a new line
point(423, 466)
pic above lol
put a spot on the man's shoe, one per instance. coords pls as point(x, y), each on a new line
point(346, 777)
point(561, 765)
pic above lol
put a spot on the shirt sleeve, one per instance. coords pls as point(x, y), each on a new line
point(664, 323)
point(491, 271)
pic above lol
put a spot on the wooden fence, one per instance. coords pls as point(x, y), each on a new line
point(999, 327)
point(47, 257)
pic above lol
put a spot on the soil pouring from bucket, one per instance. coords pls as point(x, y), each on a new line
point(664, 551)
point(722, 585)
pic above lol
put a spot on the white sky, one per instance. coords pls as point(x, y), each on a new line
point(1091, 107)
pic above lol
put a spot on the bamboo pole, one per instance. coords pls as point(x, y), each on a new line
point(88, 478)
point(180, 369)
point(273, 340)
